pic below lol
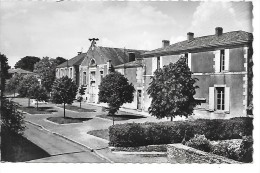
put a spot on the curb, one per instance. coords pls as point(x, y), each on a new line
point(139, 153)
point(62, 136)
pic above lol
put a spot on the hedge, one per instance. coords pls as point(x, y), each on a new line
point(141, 134)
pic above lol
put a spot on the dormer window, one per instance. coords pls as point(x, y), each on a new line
point(131, 56)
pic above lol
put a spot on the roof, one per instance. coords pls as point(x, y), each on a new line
point(131, 64)
point(116, 55)
point(73, 61)
point(19, 71)
point(206, 42)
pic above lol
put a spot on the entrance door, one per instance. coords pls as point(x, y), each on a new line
point(92, 92)
point(139, 99)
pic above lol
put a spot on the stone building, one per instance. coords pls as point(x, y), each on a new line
point(223, 64)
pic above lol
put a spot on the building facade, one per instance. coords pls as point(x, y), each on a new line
point(223, 64)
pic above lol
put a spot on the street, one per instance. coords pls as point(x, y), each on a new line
point(61, 150)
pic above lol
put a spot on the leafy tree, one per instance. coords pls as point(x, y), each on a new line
point(60, 60)
point(24, 86)
point(64, 91)
point(46, 70)
point(12, 120)
point(172, 90)
point(13, 83)
point(115, 90)
point(27, 63)
point(38, 92)
point(81, 92)
point(3, 72)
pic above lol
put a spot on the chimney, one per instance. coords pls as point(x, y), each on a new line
point(218, 31)
point(79, 53)
point(190, 36)
point(131, 56)
point(165, 43)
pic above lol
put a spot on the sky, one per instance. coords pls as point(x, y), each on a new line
point(50, 28)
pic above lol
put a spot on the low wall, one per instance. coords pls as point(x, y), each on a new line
point(178, 153)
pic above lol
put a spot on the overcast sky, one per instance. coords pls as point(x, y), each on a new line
point(63, 28)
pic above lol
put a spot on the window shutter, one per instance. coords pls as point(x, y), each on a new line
point(227, 59)
point(217, 61)
point(227, 99)
point(189, 60)
point(211, 98)
point(154, 64)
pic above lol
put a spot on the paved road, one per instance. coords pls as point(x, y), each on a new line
point(61, 150)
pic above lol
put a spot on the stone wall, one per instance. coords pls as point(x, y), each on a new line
point(178, 153)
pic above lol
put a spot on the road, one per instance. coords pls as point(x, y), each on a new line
point(61, 150)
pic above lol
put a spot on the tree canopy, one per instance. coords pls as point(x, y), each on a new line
point(172, 90)
point(3, 71)
point(64, 91)
point(46, 70)
point(27, 63)
point(60, 60)
point(38, 92)
point(115, 90)
point(25, 84)
point(13, 83)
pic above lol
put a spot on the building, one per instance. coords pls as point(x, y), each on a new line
point(223, 64)
point(97, 63)
point(70, 68)
point(14, 71)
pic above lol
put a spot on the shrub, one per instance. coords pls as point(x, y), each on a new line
point(199, 142)
point(178, 131)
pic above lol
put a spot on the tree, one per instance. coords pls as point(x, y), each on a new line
point(60, 60)
point(64, 91)
point(13, 83)
point(24, 86)
point(3, 72)
point(81, 92)
point(39, 93)
point(27, 63)
point(172, 90)
point(115, 90)
point(46, 70)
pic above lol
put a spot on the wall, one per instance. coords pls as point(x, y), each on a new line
point(202, 62)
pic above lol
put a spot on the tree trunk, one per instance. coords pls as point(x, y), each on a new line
point(80, 104)
point(64, 109)
point(37, 105)
point(171, 118)
point(113, 119)
point(29, 102)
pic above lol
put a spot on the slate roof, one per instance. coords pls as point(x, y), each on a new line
point(73, 61)
point(206, 42)
point(19, 71)
point(116, 55)
point(132, 64)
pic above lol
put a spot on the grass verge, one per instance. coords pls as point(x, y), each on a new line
point(121, 117)
point(41, 110)
point(67, 120)
point(103, 133)
point(78, 109)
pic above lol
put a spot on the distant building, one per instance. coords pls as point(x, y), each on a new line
point(221, 62)
point(14, 71)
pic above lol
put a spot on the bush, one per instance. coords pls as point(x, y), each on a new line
point(132, 134)
point(199, 142)
point(237, 150)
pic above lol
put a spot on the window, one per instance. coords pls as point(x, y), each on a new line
point(84, 78)
point(92, 62)
point(92, 76)
point(222, 60)
point(158, 62)
point(101, 75)
point(220, 91)
point(186, 57)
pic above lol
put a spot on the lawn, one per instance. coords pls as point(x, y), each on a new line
point(41, 110)
point(121, 117)
point(67, 120)
point(78, 109)
point(103, 133)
